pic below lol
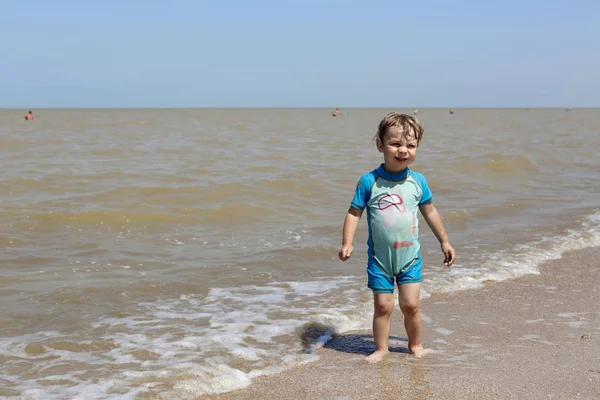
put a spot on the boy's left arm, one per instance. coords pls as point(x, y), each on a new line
point(437, 226)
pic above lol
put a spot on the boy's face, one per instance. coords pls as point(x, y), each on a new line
point(399, 150)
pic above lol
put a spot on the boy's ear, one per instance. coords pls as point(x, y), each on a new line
point(379, 145)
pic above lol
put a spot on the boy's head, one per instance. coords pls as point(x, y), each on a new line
point(398, 138)
point(402, 124)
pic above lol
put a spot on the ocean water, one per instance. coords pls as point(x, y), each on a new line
point(174, 253)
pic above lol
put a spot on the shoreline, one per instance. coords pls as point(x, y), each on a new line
point(534, 337)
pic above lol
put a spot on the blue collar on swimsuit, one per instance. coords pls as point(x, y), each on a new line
point(392, 177)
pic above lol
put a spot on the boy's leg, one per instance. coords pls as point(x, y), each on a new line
point(408, 299)
point(384, 305)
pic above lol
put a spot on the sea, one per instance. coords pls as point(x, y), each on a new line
point(175, 253)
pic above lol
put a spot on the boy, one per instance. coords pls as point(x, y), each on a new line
point(392, 195)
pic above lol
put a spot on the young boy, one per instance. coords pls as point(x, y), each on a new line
point(392, 195)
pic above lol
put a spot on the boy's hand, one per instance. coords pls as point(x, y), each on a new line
point(345, 252)
point(449, 254)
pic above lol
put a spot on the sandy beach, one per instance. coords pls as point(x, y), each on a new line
point(536, 337)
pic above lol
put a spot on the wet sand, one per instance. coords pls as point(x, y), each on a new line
point(536, 337)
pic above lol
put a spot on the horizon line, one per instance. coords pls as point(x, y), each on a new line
point(280, 107)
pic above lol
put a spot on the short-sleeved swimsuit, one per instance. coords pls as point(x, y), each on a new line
point(392, 202)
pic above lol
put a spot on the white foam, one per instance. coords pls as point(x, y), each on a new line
point(577, 324)
point(192, 345)
point(567, 315)
point(534, 321)
point(426, 318)
point(512, 263)
point(443, 331)
point(530, 336)
point(165, 347)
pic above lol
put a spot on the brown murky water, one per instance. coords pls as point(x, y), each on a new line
point(172, 253)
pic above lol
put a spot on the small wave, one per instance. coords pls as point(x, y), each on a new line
point(235, 214)
point(184, 216)
point(135, 122)
point(520, 260)
point(485, 212)
point(22, 183)
point(188, 346)
point(495, 163)
point(113, 218)
point(143, 192)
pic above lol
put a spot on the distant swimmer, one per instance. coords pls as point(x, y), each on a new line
point(336, 112)
point(29, 116)
point(451, 111)
point(415, 111)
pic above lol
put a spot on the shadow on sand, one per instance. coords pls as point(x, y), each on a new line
point(360, 343)
point(313, 334)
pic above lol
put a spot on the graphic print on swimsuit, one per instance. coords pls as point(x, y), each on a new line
point(392, 208)
point(393, 222)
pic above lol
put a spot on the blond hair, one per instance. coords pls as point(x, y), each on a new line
point(407, 125)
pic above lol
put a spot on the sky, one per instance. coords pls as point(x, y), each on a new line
point(309, 53)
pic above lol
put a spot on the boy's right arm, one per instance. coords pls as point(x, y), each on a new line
point(350, 225)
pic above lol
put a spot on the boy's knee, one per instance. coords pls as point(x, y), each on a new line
point(385, 307)
point(410, 308)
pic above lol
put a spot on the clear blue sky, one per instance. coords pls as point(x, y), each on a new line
point(259, 53)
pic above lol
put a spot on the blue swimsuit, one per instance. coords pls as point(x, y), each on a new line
point(392, 202)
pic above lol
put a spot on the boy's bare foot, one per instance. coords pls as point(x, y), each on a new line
point(376, 356)
point(418, 351)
